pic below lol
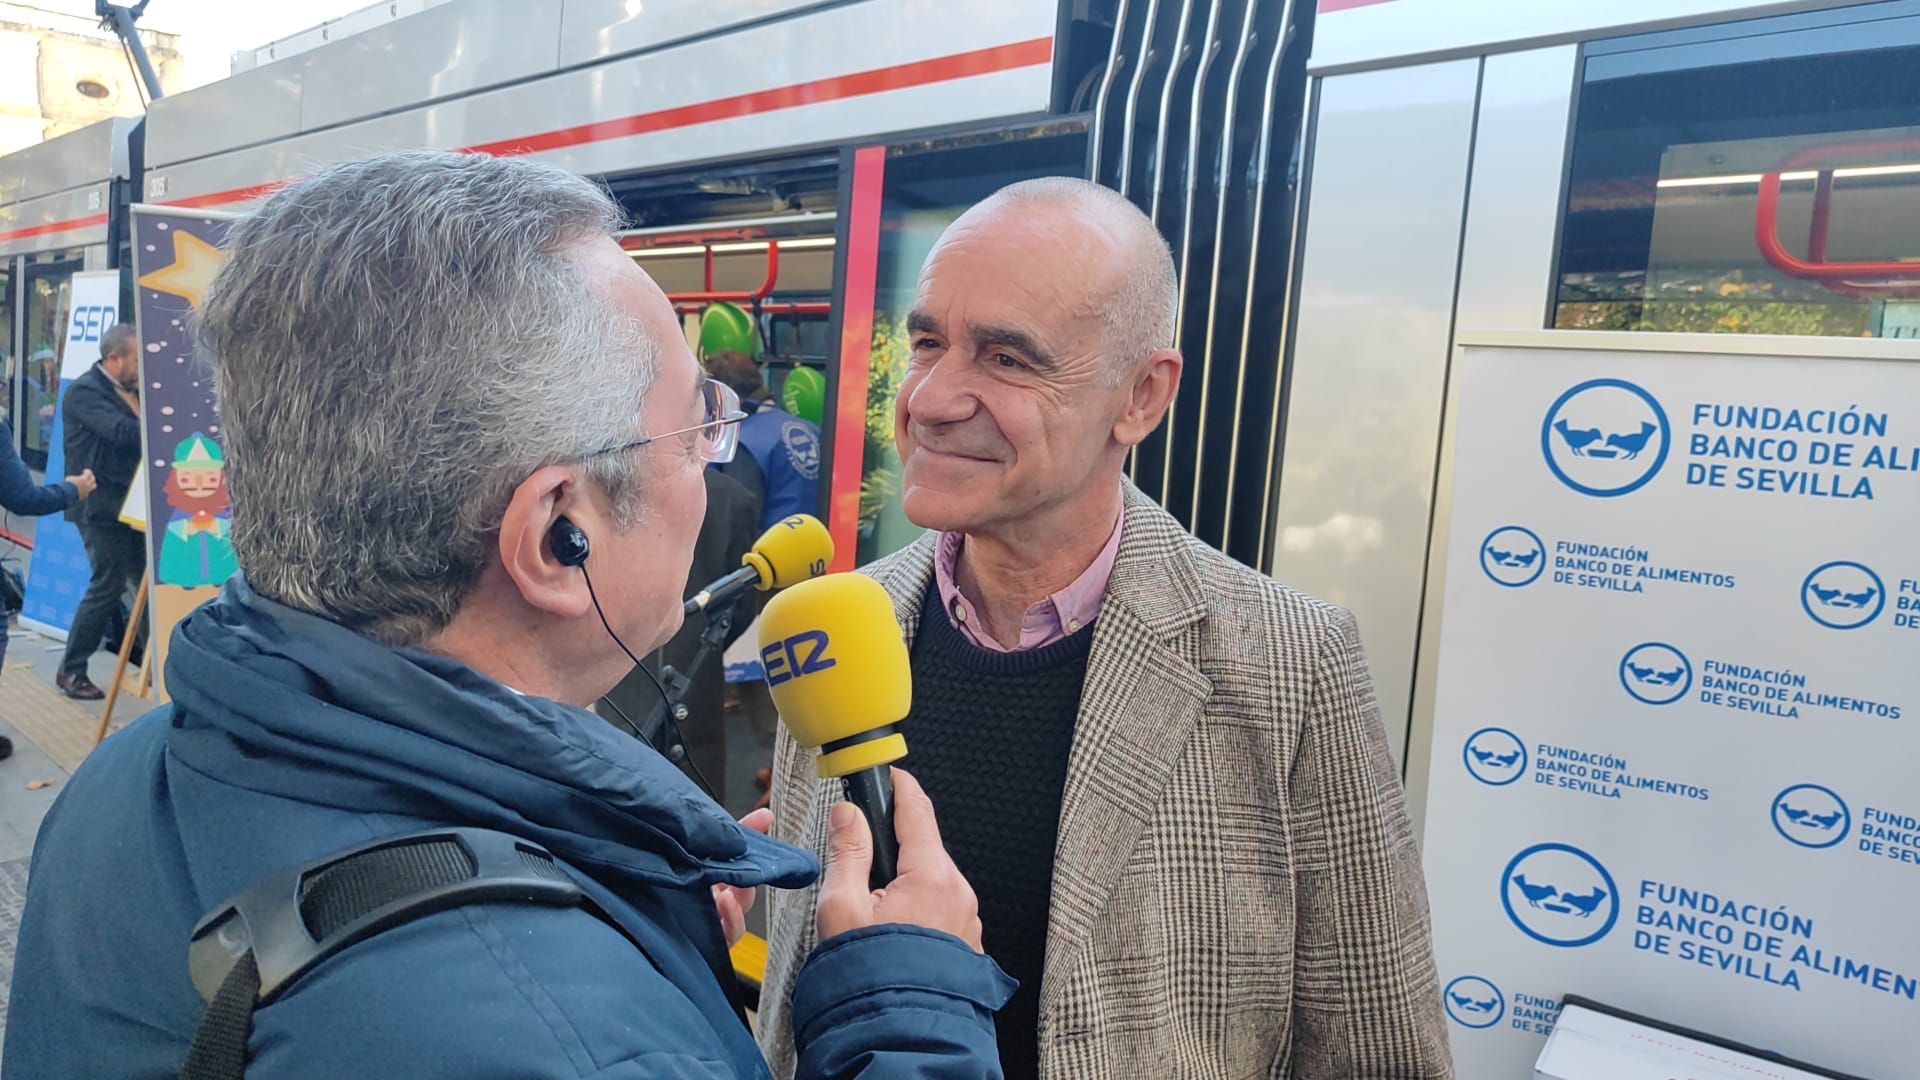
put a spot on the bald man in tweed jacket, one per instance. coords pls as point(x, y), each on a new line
point(1231, 886)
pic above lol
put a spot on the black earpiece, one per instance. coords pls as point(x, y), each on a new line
point(569, 542)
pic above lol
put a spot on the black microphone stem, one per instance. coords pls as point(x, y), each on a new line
point(713, 639)
point(720, 593)
point(872, 791)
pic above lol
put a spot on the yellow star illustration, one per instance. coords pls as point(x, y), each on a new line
point(194, 263)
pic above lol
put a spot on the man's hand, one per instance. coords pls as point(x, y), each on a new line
point(930, 892)
point(84, 483)
point(732, 901)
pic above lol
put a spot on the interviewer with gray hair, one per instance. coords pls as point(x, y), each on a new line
point(465, 439)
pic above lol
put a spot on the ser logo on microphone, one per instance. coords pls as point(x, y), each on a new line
point(802, 654)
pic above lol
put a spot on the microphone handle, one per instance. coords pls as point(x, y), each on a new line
point(872, 791)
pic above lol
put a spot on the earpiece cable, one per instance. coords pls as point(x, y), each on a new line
point(679, 735)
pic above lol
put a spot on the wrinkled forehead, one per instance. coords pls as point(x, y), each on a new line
point(1035, 263)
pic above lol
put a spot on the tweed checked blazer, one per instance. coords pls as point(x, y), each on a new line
point(1236, 889)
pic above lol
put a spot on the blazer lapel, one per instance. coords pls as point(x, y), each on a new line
point(905, 577)
point(1142, 698)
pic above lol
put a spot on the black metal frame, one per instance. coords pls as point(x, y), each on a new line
point(1198, 121)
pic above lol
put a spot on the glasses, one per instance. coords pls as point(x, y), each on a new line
point(718, 432)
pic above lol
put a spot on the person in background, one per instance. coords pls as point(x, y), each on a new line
point(43, 381)
point(103, 435)
point(785, 447)
point(20, 495)
point(1163, 771)
point(726, 534)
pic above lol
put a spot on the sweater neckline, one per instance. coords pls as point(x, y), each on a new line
point(937, 629)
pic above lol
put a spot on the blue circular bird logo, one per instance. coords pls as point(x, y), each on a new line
point(1513, 555)
point(1474, 1002)
point(1811, 816)
point(1606, 437)
point(1559, 895)
point(1843, 595)
point(1495, 756)
point(1656, 673)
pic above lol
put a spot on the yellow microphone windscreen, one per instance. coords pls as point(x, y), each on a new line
point(836, 664)
point(794, 550)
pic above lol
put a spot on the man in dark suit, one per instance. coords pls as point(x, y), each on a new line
point(103, 434)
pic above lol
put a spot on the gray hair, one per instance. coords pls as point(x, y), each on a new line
point(118, 338)
point(397, 343)
point(1138, 316)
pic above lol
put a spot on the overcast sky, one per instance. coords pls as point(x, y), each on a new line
point(213, 30)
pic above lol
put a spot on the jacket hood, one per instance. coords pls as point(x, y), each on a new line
point(280, 701)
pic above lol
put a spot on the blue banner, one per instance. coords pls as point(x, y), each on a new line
point(58, 574)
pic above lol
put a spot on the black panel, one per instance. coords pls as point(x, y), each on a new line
point(1217, 89)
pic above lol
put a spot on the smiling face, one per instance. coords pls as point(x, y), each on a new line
point(1011, 410)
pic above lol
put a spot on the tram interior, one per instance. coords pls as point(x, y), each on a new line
point(759, 236)
point(1664, 199)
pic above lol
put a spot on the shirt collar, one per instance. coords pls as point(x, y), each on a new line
point(1058, 616)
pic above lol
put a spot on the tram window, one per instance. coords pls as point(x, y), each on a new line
point(9, 363)
point(923, 190)
point(1673, 136)
point(801, 337)
point(49, 289)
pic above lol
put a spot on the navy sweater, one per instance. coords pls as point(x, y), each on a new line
point(989, 738)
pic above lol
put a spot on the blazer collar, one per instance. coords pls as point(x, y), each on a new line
point(1155, 575)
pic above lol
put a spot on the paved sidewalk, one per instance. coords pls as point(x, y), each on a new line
point(51, 734)
point(13, 893)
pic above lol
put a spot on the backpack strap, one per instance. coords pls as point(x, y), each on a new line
point(219, 1050)
point(251, 948)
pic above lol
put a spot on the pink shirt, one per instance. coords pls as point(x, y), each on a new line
point(1053, 619)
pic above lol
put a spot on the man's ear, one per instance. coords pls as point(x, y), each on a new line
point(526, 547)
point(1151, 392)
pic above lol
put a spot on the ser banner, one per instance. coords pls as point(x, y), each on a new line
point(1678, 688)
point(176, 253)
point(58, 573)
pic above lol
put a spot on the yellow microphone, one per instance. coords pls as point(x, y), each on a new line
point(794, 550)
point(836, 664)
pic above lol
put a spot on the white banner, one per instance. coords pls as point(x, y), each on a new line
point(96, 309)
point(1678, 684)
